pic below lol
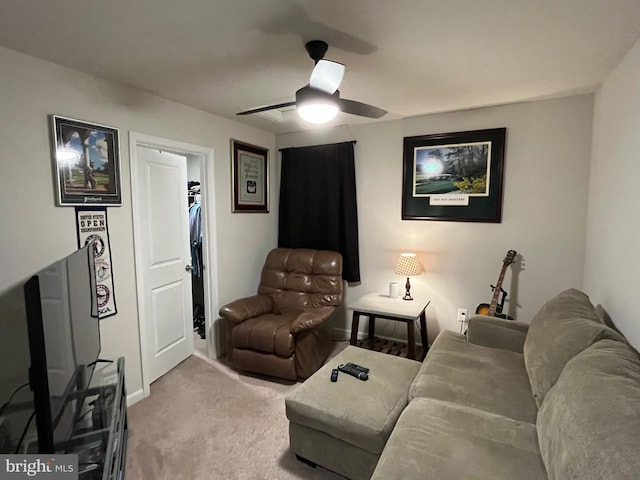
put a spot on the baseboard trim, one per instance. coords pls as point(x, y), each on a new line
point(135, 397)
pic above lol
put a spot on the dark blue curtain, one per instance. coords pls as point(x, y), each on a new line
point(318, 207)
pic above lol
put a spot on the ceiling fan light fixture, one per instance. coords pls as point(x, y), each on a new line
point(317, 112)
point(319, 101)
point(316, 106)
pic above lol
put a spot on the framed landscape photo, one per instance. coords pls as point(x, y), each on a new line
point(454, 176)
point(250, 178)
point(86, 161)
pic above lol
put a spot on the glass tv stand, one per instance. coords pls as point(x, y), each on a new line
point(100, 434)
point(98, 425)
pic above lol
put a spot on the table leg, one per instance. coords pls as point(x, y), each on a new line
point(423, 334)
point(372, 326)
point(411, 340)
point(354, 328)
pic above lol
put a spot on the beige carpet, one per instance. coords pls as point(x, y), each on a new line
point(203, 420)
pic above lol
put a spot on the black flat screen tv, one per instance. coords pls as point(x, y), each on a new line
point(64, 344)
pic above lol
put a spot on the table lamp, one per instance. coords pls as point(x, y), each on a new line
point(408, 266)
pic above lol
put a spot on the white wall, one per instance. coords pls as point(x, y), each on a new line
point(612, 266)
point(35, 232)
point(544, 211)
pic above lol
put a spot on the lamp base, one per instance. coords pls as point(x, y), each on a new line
point(407, 293)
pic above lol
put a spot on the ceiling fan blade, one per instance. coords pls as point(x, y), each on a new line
point(327, 76)
point(264, 109)
point(361, 109)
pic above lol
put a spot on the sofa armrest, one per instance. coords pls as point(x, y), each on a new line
point(310, 319)
point(497, 333)
point(244, 308)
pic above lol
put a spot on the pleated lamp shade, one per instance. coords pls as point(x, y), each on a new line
point(408, 265)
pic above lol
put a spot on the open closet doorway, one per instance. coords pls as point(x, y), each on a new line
point(194, 196)
point(162, 195)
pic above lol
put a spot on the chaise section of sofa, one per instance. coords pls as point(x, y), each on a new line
point(556, 399)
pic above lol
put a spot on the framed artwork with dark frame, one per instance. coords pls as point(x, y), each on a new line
point(86, 162)
point(250, 178)
point(454, 176)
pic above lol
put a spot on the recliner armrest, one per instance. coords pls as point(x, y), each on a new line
point(244, 308)
point(497, 333)
point(310, 319)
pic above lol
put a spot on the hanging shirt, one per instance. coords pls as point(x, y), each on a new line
point(195, 236)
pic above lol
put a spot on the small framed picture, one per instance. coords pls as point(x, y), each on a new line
point(250, 178)
point(86, 161)
point(454, 176)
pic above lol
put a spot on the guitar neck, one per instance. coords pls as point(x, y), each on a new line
point(496, 291)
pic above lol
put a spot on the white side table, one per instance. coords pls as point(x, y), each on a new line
point(376, 305)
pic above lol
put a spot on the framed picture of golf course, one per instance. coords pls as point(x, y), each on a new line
point(86, 162)
point(454, 176)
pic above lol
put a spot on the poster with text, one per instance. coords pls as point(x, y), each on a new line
point(92, 227)
point(250, 178)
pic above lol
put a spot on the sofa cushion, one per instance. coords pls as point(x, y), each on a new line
point(589, 422)
point(445, 441)
point(497, 333)
point(490, 379)
point(564, 327)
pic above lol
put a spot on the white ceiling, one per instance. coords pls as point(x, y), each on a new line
point(409, 57)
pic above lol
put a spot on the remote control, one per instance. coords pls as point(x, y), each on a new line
point(334, 375)
point(358, 367)
point(359, 374)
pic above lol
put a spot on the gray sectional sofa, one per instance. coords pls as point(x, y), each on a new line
point(556, 399)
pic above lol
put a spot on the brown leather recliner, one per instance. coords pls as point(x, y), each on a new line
point(276, 332)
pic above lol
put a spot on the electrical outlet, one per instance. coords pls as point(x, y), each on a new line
point(462, 314)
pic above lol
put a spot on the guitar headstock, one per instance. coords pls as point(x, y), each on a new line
point(510, 257)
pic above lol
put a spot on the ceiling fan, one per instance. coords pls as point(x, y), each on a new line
point(320, 101)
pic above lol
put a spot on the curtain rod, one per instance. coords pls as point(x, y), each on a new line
point(306, 146)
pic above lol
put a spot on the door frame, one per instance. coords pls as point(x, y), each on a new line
point(210, 265)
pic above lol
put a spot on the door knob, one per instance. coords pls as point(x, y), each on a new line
point(188, 268)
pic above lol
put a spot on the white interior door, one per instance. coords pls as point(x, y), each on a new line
point(166, 282)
